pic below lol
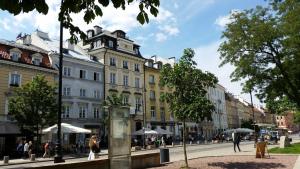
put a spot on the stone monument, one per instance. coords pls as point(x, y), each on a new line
point(119, 150)
point(284, 142)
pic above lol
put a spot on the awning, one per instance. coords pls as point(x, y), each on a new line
point(9, 128)
point(66, 128)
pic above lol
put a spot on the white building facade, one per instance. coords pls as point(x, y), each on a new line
point(82, 85)
point(219, 117)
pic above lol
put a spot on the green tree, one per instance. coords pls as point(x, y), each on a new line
point(90, 8)
point(188, 101)
point(34, 105)
point(263, 45)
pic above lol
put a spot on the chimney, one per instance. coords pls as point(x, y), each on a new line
point(97, 29)
point(27, 40)
point(155, 58)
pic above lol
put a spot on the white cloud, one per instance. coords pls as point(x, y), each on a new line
point(222, 21)
point(207, 58)
point(5, 24)
point(193, 7)
point(170, 30)
point(160, 37)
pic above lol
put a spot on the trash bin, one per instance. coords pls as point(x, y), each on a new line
point(164, 155)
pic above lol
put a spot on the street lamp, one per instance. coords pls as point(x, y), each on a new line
point(58, 152)
point(252, 107)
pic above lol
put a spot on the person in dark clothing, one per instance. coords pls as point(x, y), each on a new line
point(236, 141)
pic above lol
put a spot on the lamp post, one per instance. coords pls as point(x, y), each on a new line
point(58, 152)
point(219, 112)
point(252, 107)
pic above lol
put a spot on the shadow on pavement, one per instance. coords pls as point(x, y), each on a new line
point(246, 165)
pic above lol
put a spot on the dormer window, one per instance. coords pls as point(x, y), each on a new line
point(110, 44)
point(37, 59)
point(90, 34)
point(136, 51)
point(15, 54)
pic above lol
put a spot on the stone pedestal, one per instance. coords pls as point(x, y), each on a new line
point(32, 157)
point(119, 150)
point(284, 142)
point(5, 159)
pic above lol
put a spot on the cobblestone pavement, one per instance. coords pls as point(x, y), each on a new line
point(237, 162)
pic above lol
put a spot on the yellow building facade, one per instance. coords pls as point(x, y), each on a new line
point(158, 112)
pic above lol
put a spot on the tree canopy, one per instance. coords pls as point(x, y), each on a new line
point(90, 8)
point(264, 46)
point(34, 105)
point(188, 101)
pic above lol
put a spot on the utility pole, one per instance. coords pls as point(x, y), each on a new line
point(252, 107)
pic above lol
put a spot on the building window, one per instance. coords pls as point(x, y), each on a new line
point(152, 111)
point(82, 92)
point(138, 104)
point(97, 44)
point(136, 67)
point(112, 78)
point(36, 61)
point(110, 44)
point(90, 34)
point(136, 50)
point(112, 61)
point(137, 82)
point(96, 76)
point(125, 80)
point(152, 95)
point(67, 91)
point(125, 100)
point(15, 80)
point(66, 111)
point(162, 114)
point(82, 74)
point(151, 79)
point(96, 113)
point(97, 94)
point(125, 64)
point(82, 111)
point(15, 56)
point(67, 71)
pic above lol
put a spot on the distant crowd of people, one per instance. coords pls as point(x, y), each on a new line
point(25, 149)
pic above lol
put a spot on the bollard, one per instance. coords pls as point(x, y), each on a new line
point(198, 142)
point(5, 159)
point(172, 144)
point(181, 143)
point(190, 142)
point(32, 157)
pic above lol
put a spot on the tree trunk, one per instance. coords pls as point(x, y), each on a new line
point(184, 145)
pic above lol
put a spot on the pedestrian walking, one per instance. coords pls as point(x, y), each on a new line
point(236, 138)
point(46, 150)
point(94, 148)
point(20, 149)
point(30, 149)
point(26, 148)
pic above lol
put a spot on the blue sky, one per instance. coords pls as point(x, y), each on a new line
point(196, 24)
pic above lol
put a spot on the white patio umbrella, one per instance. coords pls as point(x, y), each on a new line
point(145, 131)
point(239, 130)
point(66, 128)
point(163, 131)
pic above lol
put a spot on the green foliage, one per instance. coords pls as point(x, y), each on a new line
point(280, 105)
point(90, 8)
point(34, 105)
point(188, 101)
point(247, 124)
point(263, 45)
point(292, 149)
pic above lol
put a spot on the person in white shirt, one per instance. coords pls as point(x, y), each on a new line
point(26, 148)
